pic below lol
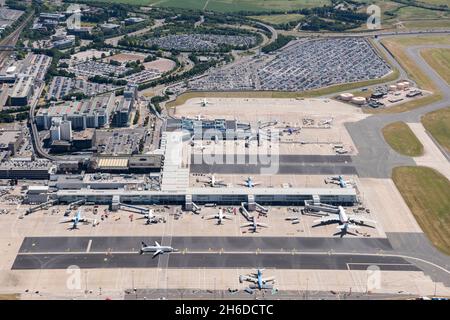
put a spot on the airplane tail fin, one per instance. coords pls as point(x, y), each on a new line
point(143, 244)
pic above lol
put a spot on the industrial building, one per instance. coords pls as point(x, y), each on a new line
point(93, 113)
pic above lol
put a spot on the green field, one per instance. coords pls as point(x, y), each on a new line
point(437, 124)
point(227, 5)
point(278, 18)
point(426, 191)
point(401, 138)
point(439, 60)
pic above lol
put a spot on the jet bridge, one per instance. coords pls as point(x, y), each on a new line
point(40, 206)
point(317, 206)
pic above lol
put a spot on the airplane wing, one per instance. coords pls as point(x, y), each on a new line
point(247, 278)
point(157, 244)
point(213, 216)
point(247, 225)
point(156, 253)
point(356, 219)
point(325, 220)
point(259, 224)
point(268, 279)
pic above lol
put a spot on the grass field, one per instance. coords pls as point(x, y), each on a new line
point(401, 138)
point(426, 192)
point(228, 5)
point(278, 18)
point(439, 60)
point(437, 124)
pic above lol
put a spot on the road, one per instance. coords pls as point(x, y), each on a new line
point(11, 40)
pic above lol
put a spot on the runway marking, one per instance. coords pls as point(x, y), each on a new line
point(88, 249)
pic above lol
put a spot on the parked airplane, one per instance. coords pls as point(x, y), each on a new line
point(345, 221)
point(79, 218)
point(219, 216)
point(157, 249)
point(249, 183)
point(216, 183)
point(152, 217)
point(204, 102)
point(259, 282)
point(253, 225)
point(339, 180)
point(326, 121)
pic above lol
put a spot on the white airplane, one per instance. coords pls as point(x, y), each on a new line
point(219, 216)
point(204, 102)
point(249, 183)
point(151, 217)
point(326, 121)
point(215, 183)
point(157, 249)
point(345, 221)
point(253, 225)
point(259, 282)
point(339, 180)
point(79, 218)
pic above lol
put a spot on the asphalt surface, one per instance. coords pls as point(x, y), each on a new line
point(376, 159)
point(206, 244)
point(297, 159)
point(280, 168)
point(213, 261)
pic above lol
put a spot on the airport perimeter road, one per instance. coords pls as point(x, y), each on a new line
point(213, 261)
point(376, 158)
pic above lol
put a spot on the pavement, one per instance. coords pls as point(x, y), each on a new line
point(213, 261)
point(376, 159)
point(88, 244)
point(432, 155)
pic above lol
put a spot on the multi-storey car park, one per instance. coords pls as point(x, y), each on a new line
point(62, 87)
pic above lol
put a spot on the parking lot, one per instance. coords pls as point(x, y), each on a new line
point(200, 42)
point(301, 66)
point(119, 142)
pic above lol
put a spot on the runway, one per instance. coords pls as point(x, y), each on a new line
point(213, 261)
point(192, 244)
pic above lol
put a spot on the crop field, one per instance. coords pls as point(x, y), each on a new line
point(227, 5)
